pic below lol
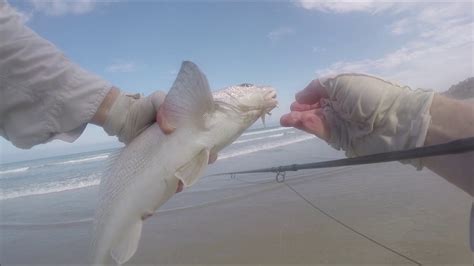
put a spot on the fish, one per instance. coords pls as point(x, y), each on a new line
point(147, 171)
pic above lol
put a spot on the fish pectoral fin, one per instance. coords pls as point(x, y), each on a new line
point(128, 244)
point(189, 99)
point(190, 172)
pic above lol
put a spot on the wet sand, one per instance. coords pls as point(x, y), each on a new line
point(399, 219)
point(386, 214)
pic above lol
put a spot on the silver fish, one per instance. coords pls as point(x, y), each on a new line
point(146, 172)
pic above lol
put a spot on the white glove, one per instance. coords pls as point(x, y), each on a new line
point(131, 114)
point(369, 115)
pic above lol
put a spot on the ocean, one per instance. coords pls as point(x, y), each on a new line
point(47, 205)
point(82, 170)
point(54, 198)
point(63, 189)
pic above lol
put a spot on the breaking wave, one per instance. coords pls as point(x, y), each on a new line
point(51, 187)
point(94, 180)
point(74, 161)
point(262, 147)
point(15, 170)
point(259, 138)
point(95, 158)
point(265, 131)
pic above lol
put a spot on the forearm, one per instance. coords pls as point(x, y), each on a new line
point(43, 94)
point(451, 119)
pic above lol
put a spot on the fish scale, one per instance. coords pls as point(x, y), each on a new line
point(146, 172)
point(120, 175)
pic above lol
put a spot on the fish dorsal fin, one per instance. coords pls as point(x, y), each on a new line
point(190, 172)
point(128, 244)
point(190, 97)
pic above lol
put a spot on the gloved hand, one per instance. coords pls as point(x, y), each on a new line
point(131, 114)
point(362, 114)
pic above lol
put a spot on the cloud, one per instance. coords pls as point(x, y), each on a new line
point(400, 27)
point(279, 33)
point(25, 15)
point(437, 54)
point(317, 49)
point(56, 7)
point(331, 6)
point(121, 67)
point(63, 7)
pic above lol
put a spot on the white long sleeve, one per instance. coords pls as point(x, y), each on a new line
point(43, 95)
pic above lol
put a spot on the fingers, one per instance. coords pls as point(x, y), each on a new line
point(312, 93)
point(161, 120)
point(306, 113)
point(311, 121)
point(292, 119)
point(296, 106)
point(157, 99)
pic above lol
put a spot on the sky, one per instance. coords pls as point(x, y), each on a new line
point(139, 45)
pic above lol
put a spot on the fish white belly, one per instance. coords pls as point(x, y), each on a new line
point(143, 177)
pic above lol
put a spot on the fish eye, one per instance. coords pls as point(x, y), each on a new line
point(246, 85)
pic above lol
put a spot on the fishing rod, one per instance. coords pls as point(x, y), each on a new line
point(453, 147)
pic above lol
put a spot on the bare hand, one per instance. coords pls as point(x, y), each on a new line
point(161, 121)
point(306, 113)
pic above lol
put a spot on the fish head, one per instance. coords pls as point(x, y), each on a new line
point(236, 109)
point(246, 102)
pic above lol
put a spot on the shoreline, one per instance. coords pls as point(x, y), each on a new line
point(268, 223)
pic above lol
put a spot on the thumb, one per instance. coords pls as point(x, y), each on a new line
point(311, 121)
point(161, 121)
point(157, 98)
point(292, 119)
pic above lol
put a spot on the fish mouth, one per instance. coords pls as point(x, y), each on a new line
point(269, 102)
point(252, 101)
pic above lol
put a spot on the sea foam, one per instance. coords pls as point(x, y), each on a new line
point(52, 187)
point(15, 170)
point(95, 158)
point(265, 146)
point(265, 131)
point(94, 179)
point(259, 138)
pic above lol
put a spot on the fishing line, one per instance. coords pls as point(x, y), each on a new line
point(34, 226)
point(251, 182)
point(349, 227)
point(453, 147)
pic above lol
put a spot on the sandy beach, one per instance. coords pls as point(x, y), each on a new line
point(379, 214)
point(426, 221)
point(276, 226)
